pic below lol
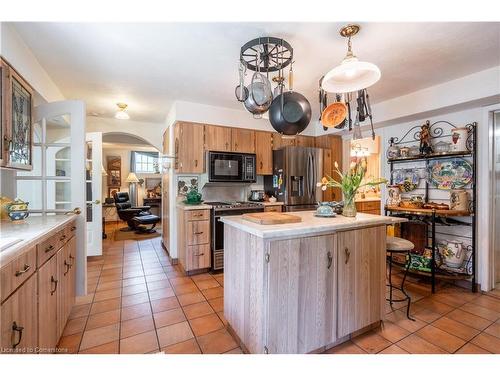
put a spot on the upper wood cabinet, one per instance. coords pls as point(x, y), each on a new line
point(282, 141)
point(304, 141)
point(217, 138)
point(166, 142)
point(188, 148)
point(332, 146)
point(16, 119)
point(264, 152)
point(361, 278)
point(243, 140)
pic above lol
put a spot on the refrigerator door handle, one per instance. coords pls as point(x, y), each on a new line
point(313, 182)
point(309, 176)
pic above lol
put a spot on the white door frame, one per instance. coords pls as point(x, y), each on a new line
point(94, 228)
point(76, 110)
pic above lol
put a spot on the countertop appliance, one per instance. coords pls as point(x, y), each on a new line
point(296, 170)
point(231, 167)
point(220, 209)
point(257, 196)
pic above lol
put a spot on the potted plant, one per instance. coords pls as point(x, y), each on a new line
point(349, 182)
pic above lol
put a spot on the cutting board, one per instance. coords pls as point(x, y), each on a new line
point(270, 218)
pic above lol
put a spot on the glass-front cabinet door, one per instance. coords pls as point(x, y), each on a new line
point(2, 111)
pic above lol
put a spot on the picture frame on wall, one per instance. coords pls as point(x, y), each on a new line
point(112, 190)
point(114, 178)
point(153, 187)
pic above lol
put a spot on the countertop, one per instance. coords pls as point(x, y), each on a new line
point(270, 203)
point(310, 224)
point(33, 230)
point(189, 207)
point(368, 199)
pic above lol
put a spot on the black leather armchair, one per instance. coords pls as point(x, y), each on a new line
point(136, 217)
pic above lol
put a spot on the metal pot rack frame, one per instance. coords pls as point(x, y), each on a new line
point(431, 217)
point(275, 54)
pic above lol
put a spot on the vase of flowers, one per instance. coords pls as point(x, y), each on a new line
point(349, 182)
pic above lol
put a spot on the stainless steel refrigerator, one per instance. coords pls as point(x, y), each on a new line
point(296, 170)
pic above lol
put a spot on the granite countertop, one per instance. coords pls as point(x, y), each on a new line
point(32, 231)
point(188, 207)
point(310, 224)
point(270, 203)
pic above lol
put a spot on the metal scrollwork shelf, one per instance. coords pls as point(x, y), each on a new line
point(436, 219)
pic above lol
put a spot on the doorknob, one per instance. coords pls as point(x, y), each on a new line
point(76, 211)
point(97, 201)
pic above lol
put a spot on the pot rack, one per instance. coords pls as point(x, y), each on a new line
point(275, 54)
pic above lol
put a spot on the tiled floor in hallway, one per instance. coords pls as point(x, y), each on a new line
point(139, 303)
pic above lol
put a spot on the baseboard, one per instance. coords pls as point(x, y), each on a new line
point(173, 261)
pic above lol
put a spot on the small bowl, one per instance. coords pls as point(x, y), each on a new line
point(18, 215)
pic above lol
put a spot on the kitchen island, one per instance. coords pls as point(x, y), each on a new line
point(303, 287)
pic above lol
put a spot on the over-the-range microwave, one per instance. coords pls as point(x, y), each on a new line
point(230, 167)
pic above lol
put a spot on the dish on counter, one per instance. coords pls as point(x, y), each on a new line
point(333, 214)
point(450, 174)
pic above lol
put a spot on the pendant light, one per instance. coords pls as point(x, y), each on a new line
point(121, 114)
point(351, 74)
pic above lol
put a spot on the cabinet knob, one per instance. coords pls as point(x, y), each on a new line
point(62, 238)
point(347, 255)
point(50, 248)
point(24, 270)
point(19, 329)
point(195, 162)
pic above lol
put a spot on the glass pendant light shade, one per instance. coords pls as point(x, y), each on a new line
point(351, 75)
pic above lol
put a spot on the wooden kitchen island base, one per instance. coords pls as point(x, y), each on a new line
point(303, 287)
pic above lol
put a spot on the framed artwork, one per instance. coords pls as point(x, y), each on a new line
point(185, 184)
point(153, 187)
point(112, 190)
point(114, 164)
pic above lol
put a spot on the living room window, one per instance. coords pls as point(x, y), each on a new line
point(144, 162)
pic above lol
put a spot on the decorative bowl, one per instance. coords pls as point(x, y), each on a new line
point(18, 215)
point(325, 209)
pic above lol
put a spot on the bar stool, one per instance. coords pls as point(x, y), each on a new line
point(396, 245)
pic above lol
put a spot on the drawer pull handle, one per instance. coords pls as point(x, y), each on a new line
point(197, 233)
point(330, 259)
point(73, 228)
point(68, 266)
point(19, 329)
point(54, 281)
point(199, 255)
point(197, 215)
point(62, 238)
point(24, 270)
point(50, 248)
point(347, 255)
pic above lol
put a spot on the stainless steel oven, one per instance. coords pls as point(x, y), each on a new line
point(220, 209)
point(231, 167)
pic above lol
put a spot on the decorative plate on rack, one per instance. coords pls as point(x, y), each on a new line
point(450, 174)
point(406, 179)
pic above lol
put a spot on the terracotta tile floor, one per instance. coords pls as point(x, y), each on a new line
point(138, 302)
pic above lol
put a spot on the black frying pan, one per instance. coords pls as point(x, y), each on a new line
point(290, 113)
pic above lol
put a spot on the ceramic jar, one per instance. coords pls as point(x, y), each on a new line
point(459, 200)
point(17, 210)
point(442, 147)
point(414, 151)
point(453, 254)
point(459, 140)
point(394, 194)
point(404, 152)
point(393, 152)
point(325, 209)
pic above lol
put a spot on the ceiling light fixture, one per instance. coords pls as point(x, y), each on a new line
point(121, 114)
point(351, 74)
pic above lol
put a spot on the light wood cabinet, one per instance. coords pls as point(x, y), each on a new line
point(48, 285)
point(304, 141)
point(282, 141)
point(19, 327)
point(276, 208)
point(361, 278)
point(188, 148)
point(264, 152)
point(243, 140)
point(40, 286)
point(193, 234)
point(302, 278)
point(218, 138)
point(369, 207)
point(332, 152)
point(16, 119)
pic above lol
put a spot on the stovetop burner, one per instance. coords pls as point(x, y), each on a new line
point(230, 205)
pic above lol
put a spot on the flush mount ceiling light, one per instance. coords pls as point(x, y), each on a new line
point(351, 74)
point(121, 114)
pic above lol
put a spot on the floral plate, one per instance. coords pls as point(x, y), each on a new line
point(406, 179)
point(450, 174)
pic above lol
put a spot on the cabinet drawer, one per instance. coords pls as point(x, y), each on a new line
point(16, 272)
point(70, 230)
point(198, 232)
point(272, 209)
point(197, 215)
point(48, 248)
point(198, 257)
point(367, 206)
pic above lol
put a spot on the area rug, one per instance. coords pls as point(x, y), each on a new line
point(118, 235)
